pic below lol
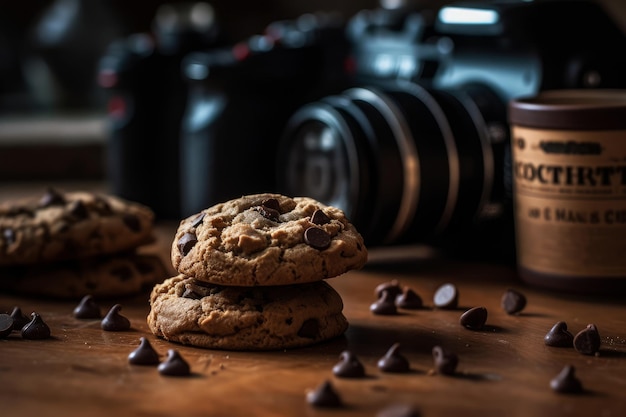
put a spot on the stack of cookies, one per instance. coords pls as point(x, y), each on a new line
point(252, 275)
point(71, 244)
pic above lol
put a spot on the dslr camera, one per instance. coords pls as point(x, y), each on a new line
point(146, 98)
point(416, 149)
point(240, 98)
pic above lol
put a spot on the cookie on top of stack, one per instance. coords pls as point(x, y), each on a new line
point(252, 275)
point(70, 244)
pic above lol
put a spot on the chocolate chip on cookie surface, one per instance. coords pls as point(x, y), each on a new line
point(71, 225)
point(267, 239)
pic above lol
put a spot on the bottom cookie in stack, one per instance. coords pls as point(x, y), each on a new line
point(245, 318)
point(252, 275)
point(117, 275)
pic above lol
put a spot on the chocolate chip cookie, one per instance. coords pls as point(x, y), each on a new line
point(267, 239)
point(71, 225)
point(104, 276)
point(197, 313)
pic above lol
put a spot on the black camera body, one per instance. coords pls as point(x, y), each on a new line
point(416, 150)
point(240, 98)
point(146, 97)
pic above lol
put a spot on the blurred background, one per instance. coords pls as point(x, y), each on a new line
point(52, 109)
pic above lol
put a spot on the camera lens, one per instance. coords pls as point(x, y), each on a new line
point(406, 163)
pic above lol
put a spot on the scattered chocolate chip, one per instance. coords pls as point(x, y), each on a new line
point(385, 305)
point(6, 325)
point(348, 366)
point(9, 236)
point(317, 238)
point(310, 329)
point(52, 198)
point(78, 210)
point(87, 308)
point(36, 328)
point(187, 242)
point(324, 396)
point(174, 365)
point(474, 318)
point(446, 296)
point(566, 382)
point(588, 341)
point(271, 203)
point(114, 321)
point(393, 361)
point(513, 301)
point(398, 410)
point(559, 336)
point(319, 217)
point(445, 362)
point(409, 299)
point(198, 220)
point(392, 286)
point(132, 222)
point(19, 319)
point(144, 354)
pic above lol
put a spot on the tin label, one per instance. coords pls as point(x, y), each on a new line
point(570, 201)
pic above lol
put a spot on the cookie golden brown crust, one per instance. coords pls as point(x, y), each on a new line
point(71, 225)
point(267, 239)
point(211, 316)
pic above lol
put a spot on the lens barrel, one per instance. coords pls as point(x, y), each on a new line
point(405, 162)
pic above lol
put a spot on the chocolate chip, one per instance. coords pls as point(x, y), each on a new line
point(348, 366)
point(392, 286)
point(114, 321)
point(174, 365)
point(409, 299)
point(132, 222)
point(36, 328)
point(393, 361)
point(446, 296)
point(52, 198)
point(6, 325)
point(87, 308)
point(474, 318)
point(78, 210)
point(144, 354)
point(513, 301)
point(445, 362)
point(324, 396)
point(385, 305)
point(566, 381)
point(187, 242)
point(588, 341)
point(9, 236)
point(191, 294)
point(319, 217)
point(398, 410)
point(271, 203)
point(559, 336)
point(102, 205)
point(198, 220)
point(269, 213)
point(19, 319)
point(317, 238)
point(309, 329)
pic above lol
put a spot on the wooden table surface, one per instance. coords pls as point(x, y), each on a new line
point(504, 369)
